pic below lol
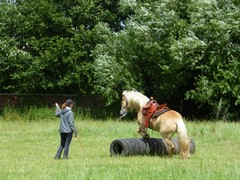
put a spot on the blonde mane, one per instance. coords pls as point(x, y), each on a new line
point(135, 99)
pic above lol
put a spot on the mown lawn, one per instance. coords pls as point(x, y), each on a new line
point(27, 152)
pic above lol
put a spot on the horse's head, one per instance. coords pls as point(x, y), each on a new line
point(124, 106)
point(132, 100)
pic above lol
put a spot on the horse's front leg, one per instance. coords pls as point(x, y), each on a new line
point(142, 130)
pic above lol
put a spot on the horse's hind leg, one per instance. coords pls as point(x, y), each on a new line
point(170, 145)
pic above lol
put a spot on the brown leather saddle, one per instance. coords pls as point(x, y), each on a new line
point(152, 110)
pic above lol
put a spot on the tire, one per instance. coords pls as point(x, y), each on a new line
point(138, 146)
point(145, 146)
point(162, 149)
point(176, 146)
point(192, 146)
point(151, 145)
point(120, 147)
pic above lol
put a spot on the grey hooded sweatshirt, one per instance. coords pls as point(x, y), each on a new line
point(66, 120)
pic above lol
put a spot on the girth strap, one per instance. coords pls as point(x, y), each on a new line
point(152, 110)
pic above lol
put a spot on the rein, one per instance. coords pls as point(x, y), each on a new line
point(107, 130)
point(121, 117)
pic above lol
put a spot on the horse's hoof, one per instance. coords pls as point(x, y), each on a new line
point(146, 136)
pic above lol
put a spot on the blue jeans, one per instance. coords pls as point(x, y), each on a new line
point(66, 139)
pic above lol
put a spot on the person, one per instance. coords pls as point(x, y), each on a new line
point(67, 127)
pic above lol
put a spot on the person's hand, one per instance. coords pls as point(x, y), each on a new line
point(56, 104)
point(75, 134)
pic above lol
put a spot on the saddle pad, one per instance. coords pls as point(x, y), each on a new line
point(158, 113)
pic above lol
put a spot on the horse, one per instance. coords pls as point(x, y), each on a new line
point(167, 124)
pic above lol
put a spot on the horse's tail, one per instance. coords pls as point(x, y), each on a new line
point(183, 139)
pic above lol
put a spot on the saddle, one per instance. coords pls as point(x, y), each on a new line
point(152, 110)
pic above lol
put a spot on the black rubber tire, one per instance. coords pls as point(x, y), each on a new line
point(138, 146)
point(133, 146)
point(119, 147)
point(128, 147)
point(151, 145)
point(192, 146)
point(145, 146)
point(176, 145)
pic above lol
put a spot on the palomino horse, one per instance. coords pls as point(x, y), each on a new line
point(167, 124)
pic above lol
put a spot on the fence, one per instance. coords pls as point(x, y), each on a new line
point(86, 101)
point(188, 110)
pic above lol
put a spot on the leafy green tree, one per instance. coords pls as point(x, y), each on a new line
point(210, 49)
point(112, 71)
point(167, 49)
point(12, 59)
point(51, 42)
point(141, 53)
point(173, 54)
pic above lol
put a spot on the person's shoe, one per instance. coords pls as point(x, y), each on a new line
point(65, 157)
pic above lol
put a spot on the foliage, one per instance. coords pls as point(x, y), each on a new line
point(173, 50)
point(140, 52)
point(190, 54)
point(112, 71)
point(30, 113)
point(210, 50)
point(27, 113)
point(51, 42)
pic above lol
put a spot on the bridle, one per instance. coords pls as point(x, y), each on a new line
point(123, 111)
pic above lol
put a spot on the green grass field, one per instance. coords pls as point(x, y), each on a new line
point(27, 152)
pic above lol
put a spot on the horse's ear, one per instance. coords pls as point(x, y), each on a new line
point(125, 92)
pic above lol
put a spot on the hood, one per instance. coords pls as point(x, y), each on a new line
point(65, 110)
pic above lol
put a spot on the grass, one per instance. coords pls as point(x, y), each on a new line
point(27, 151)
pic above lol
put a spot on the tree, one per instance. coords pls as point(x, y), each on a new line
point(141, 53)
point(211, 50)
point(53, 41)
point(172, 50)
point(191, 54)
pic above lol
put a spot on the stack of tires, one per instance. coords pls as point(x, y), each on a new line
point(144, 146)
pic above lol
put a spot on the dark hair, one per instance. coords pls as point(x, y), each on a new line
point(64, 105)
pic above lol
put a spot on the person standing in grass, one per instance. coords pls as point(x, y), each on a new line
point(67, 127)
